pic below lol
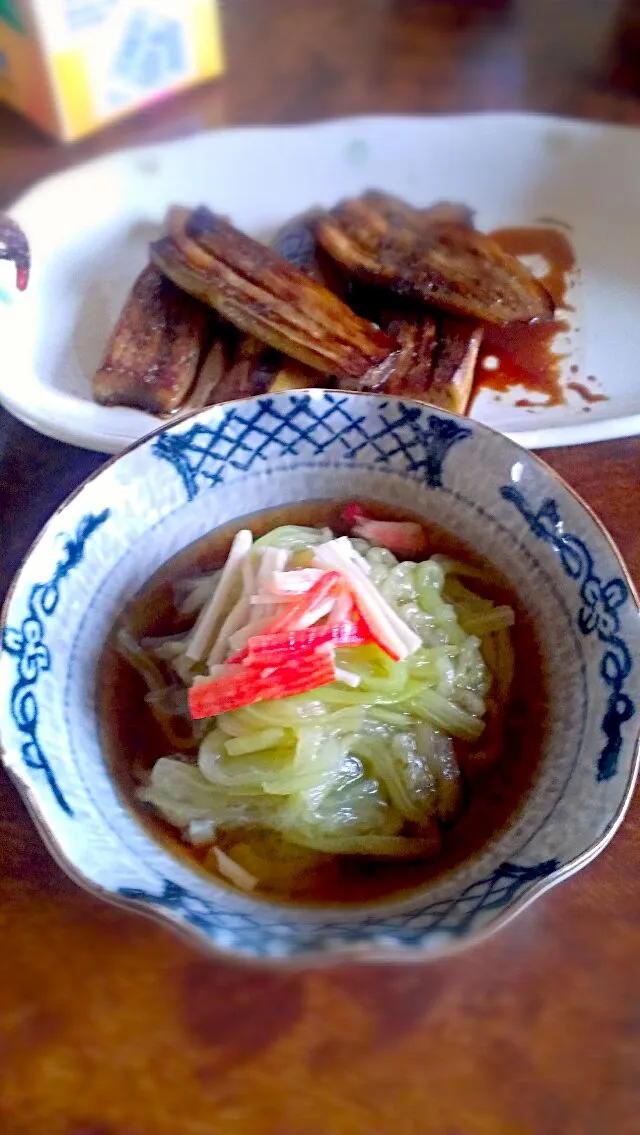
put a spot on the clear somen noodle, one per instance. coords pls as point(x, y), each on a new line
point(374, 765)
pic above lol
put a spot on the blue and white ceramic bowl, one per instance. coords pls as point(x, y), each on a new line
point(225, 461)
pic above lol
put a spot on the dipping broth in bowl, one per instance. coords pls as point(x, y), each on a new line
point(327, 702)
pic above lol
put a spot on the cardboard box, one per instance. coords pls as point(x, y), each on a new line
point(72, 66)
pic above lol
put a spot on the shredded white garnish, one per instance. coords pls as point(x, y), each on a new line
point(234, 872)
point(388, 626)
point(347, 677)
point(204, 631)
point(201, 832)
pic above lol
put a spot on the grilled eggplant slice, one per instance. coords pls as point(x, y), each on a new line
point(265, 296)
point(253, 369)
point(210, 376)
point(418, 340)
point(455, 365)
point(448, 213)
point(444, 264)
point(296, 242)
point(294, 376)
point(398, 214)
point(211, 382)
point(256, 368)
point(154, 351)
point(437, 358)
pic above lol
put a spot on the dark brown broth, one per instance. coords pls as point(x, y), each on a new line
point(133, 740)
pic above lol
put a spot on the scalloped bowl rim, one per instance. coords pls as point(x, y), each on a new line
point(325, 952)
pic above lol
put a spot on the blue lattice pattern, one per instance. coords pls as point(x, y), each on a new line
point(268, 429)
point(451, 916)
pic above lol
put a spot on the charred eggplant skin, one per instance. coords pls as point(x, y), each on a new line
point(264, 295)
point(432, 257)
point(372, 295)
point(153, 354)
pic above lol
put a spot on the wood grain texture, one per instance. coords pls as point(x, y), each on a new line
point(111, 1026)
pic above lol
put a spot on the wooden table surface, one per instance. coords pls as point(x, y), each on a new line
point(110, 1025)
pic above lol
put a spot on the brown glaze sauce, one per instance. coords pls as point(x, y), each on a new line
point(525, 354)
point(586, 394)
point(133, 740)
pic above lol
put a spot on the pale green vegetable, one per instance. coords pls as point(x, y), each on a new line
point(294, 537)
point(445, 715)
point(181, 793)
point(255, 742)
point(487, 622)
point(375, 846)
point(369, 770)
point(437, 749)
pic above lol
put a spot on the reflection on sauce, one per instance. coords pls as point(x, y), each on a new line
point(585, 393)
point(525, 353)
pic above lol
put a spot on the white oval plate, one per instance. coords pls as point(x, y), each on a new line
point(89, 229)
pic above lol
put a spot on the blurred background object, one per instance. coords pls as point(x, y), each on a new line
point(623, 59)
point(74, 65)
point(303, 61)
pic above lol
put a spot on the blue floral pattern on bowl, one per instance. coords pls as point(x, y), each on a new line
point(227, 461)
point(27, 643)
point(598, 613)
